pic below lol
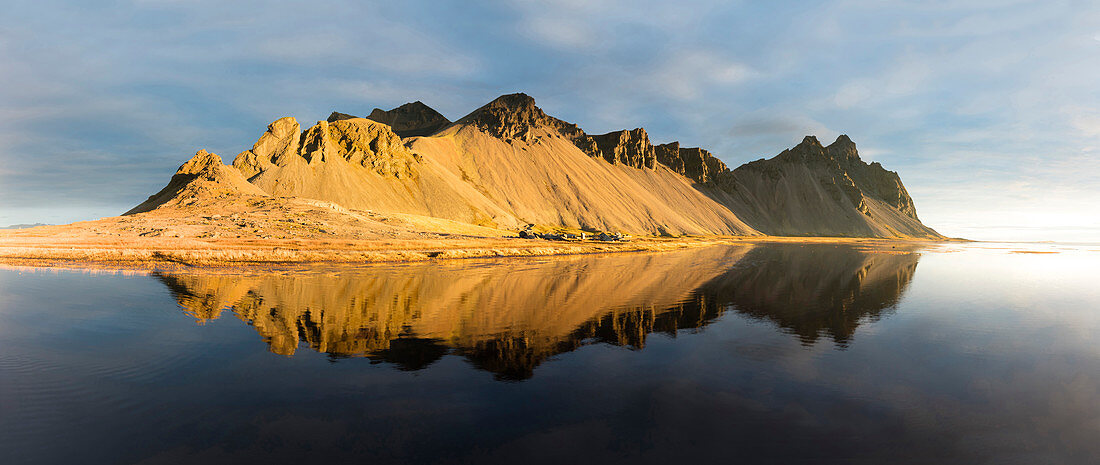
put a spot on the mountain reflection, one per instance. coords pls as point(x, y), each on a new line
point(812, 291)
point(508, 317)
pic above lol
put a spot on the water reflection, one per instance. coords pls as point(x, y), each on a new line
point(508, 317)
point(816, 291)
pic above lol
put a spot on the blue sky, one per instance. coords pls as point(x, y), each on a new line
point(988, 109)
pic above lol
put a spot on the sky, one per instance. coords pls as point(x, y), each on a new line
point(989, 110)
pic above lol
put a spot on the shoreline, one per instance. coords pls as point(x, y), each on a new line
point(166, 254)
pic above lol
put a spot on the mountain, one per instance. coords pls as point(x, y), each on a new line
point(504, 165)
point(203, 179)
point(411, 119)
point(508, 164)
point(822, 191)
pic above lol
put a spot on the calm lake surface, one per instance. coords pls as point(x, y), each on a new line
point(969, 353)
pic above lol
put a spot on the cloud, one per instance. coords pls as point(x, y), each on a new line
point(1087, 122)
point(967, 100)
point(772, 125)
point(688, 75)
point(558, 31)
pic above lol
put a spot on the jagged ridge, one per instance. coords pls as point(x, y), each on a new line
point(813, 189)
point(508, 163)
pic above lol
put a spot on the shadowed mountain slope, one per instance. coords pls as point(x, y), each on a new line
point(411, 119)
point(813, 190)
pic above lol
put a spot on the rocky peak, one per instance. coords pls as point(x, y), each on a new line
point(516, 116)
point(202, 162)
point(357, 141)
point(518, 102)
point(843, 141)
point(278, 146)
point(809, 150)
point(843, 150)
point(202, 180)
point(841, 167)
point(284, 127)
point(411, 119)
point(337, 116)
point(512, 117)
point(872, 178)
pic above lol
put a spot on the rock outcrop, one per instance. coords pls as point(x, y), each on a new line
point(203, 179)
point(411, 119)
point(692, 162)
point(516, 117)
point(337, 116)
point(277, 146)
point(872, 178)
point(628, 147)
point(353, 140)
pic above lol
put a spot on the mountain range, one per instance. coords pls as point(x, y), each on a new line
point(508, 165)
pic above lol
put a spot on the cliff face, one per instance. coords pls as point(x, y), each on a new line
point(872, 179)
point(693, 163)
point(627, 147)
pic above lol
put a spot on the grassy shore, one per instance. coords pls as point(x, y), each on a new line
point(175, 253)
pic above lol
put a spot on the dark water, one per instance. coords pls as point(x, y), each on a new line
point(773, 354)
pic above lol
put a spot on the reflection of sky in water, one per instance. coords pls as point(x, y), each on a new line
point(976, 354)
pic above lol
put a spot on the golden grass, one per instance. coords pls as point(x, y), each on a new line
point(177, 253)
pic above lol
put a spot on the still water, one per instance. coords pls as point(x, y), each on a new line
point(971, 353)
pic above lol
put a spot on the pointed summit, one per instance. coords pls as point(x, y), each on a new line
point(337, 116)
point(512, 103)
point(843, 140)
point(411, 119)
point(809, 150)
point(510, 117)
point(202, 162)
point(843, 150)
point(828, 191)
point(809, 141)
